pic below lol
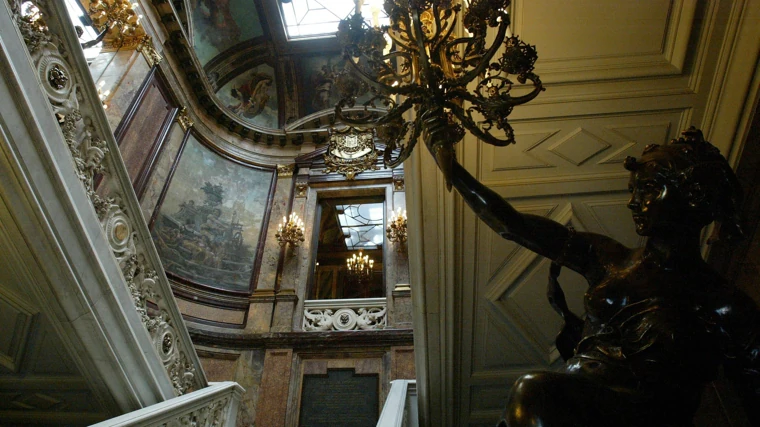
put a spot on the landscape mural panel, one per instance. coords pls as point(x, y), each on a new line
point(209, 225)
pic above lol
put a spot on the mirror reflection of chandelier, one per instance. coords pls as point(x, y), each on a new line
point(359, 267)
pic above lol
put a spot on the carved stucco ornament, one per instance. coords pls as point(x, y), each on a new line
point(350, 152)
point(91, 159)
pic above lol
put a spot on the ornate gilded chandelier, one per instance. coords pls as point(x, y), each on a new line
point(417, 62)
point(359, 267)
point(290, 231)
point(396, 230)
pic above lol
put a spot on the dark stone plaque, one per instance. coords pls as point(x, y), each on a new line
point(340, 398)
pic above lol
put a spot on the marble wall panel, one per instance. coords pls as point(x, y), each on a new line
point(161, 169)
point(273, 400)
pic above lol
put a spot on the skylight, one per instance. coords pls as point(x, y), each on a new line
point(362, 225)
point(319, 18)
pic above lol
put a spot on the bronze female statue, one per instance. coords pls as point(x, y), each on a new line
point(659, 321)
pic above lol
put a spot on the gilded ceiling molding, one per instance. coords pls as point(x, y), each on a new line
point(285, 171)
point(184, 119)
point(302, 187)
point(146, 47)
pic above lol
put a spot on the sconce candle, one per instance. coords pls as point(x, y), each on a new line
point(290, 230)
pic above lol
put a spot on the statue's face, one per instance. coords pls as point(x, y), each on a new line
point(653, 202)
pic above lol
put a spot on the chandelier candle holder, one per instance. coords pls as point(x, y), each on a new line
point(396, 230)
point(290, 230)
point(359, 267)
point(417, 62)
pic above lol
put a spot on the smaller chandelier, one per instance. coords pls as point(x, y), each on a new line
point(396, 230)
point(359, 267)
point(290, 230)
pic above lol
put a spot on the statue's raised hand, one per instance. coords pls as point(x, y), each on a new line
point(440, 133)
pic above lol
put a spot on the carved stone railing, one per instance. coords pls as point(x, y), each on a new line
point(64, 78)
point(345, 314)
point(213, 406)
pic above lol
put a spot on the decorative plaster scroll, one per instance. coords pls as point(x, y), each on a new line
point(345, 315)
point(94, 156)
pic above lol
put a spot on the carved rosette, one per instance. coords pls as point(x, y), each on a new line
point(350, 152)
point(92, 157)
point(337, 318)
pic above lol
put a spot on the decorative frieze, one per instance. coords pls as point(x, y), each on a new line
point(345, 314)
point(94, 156)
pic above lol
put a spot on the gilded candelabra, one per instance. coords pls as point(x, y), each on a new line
point(115, 16)
point(359, 267)
point(290, 231)
point(418, 62)
point(396, 229)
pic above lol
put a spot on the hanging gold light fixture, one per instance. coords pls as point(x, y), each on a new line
point(417, 62)
point(290, 231)
point(396, 229)
point(359, 267)
point(118, 17)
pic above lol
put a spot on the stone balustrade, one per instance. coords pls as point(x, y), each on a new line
point(213, 406)
point(345, 314)
point(86, 157)
point(400, 409)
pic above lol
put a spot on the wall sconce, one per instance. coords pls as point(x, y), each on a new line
point(290, 230)
point(396, 230)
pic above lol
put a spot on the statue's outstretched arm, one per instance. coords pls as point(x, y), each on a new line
point(581, 252)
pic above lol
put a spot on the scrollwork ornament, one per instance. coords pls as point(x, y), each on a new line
point(350, 152)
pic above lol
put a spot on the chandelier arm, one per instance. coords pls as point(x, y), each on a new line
point(461, 40)
point(538, 87)
point(424, 59)
point(398, 90)
point(486, 137)
point(393, 114)
point(486, 59)
point(450, 29)
point(411, 142)
point(405, 56)
point(403, 43)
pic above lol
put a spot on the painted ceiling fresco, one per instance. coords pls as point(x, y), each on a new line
point(252, 96)
point(221, 24)
point(259, 75)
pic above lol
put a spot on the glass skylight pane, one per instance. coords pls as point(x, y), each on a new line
point(320, 18)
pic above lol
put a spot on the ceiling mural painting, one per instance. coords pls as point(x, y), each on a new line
point(255, 78)
point(221, 24)
point(209, 224)
point(252, 96)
